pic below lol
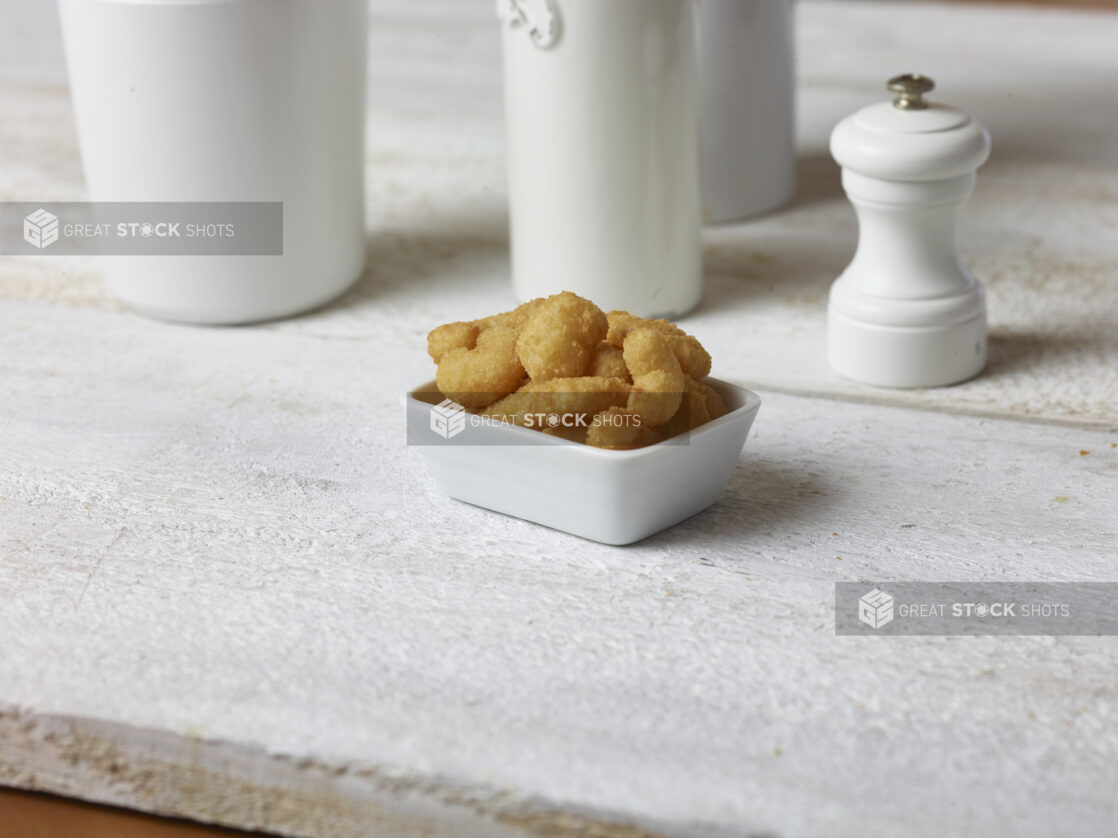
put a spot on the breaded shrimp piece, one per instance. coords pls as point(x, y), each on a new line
point(622, 322)
point(607, 361)
point(693, 409)
point(693, 358)
point(716, 408)
point(657, 378)
point(583, 396)
point(619, 429)
point(450, 336)
point(463, 334)
point(514, 319)
point(477, 377)
point(558, 336)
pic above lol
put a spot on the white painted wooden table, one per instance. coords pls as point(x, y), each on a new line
point(229, 591)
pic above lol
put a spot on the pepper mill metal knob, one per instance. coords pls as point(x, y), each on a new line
point(906, 312)
point(911, 87)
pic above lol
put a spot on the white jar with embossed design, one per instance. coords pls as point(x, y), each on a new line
point(603, 159)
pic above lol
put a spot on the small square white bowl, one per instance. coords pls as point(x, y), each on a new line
point(615, 497)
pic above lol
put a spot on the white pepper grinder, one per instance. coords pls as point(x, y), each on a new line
point(906, 312)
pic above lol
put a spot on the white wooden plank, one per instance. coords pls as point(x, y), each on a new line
point(218, 536)
point(227, 591)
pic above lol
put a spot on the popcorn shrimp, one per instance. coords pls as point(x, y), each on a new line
point(561, 366)
point(620, 429)
point(693, 358)
point(451, 336)
point(607, 361)
point(478, 376)
point(575, 397)
point(557, 338)
point(657, 378)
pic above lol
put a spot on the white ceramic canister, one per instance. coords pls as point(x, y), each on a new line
point(227, 100)
point(603, 151)
point(747, 83)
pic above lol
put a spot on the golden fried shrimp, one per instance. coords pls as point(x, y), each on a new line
point(561, 366)
point(693, 358)
point(691, 355)
point(716, 408)
point(450, 336)
point(622, 322)
point(693, 410)
point(463, 334)
point(607, 361)
point(476, 377)
point(558, 336)
point(514, 319)
point(574, 397)
point(657, 378)
point(620, 429)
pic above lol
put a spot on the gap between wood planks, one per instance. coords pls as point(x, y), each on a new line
point(876, 400)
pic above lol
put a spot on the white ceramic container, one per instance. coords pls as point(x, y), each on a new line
point(906, 312)
point(603, 151)
point(615, 497)
point(227, 100)
point(747, 84)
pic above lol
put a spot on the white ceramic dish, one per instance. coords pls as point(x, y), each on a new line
point(615, 497)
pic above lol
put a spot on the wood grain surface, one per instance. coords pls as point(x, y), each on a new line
point(228, 590)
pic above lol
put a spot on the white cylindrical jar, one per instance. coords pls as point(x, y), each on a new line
point(603, 151)
point(747, 83)
point(227, 101)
